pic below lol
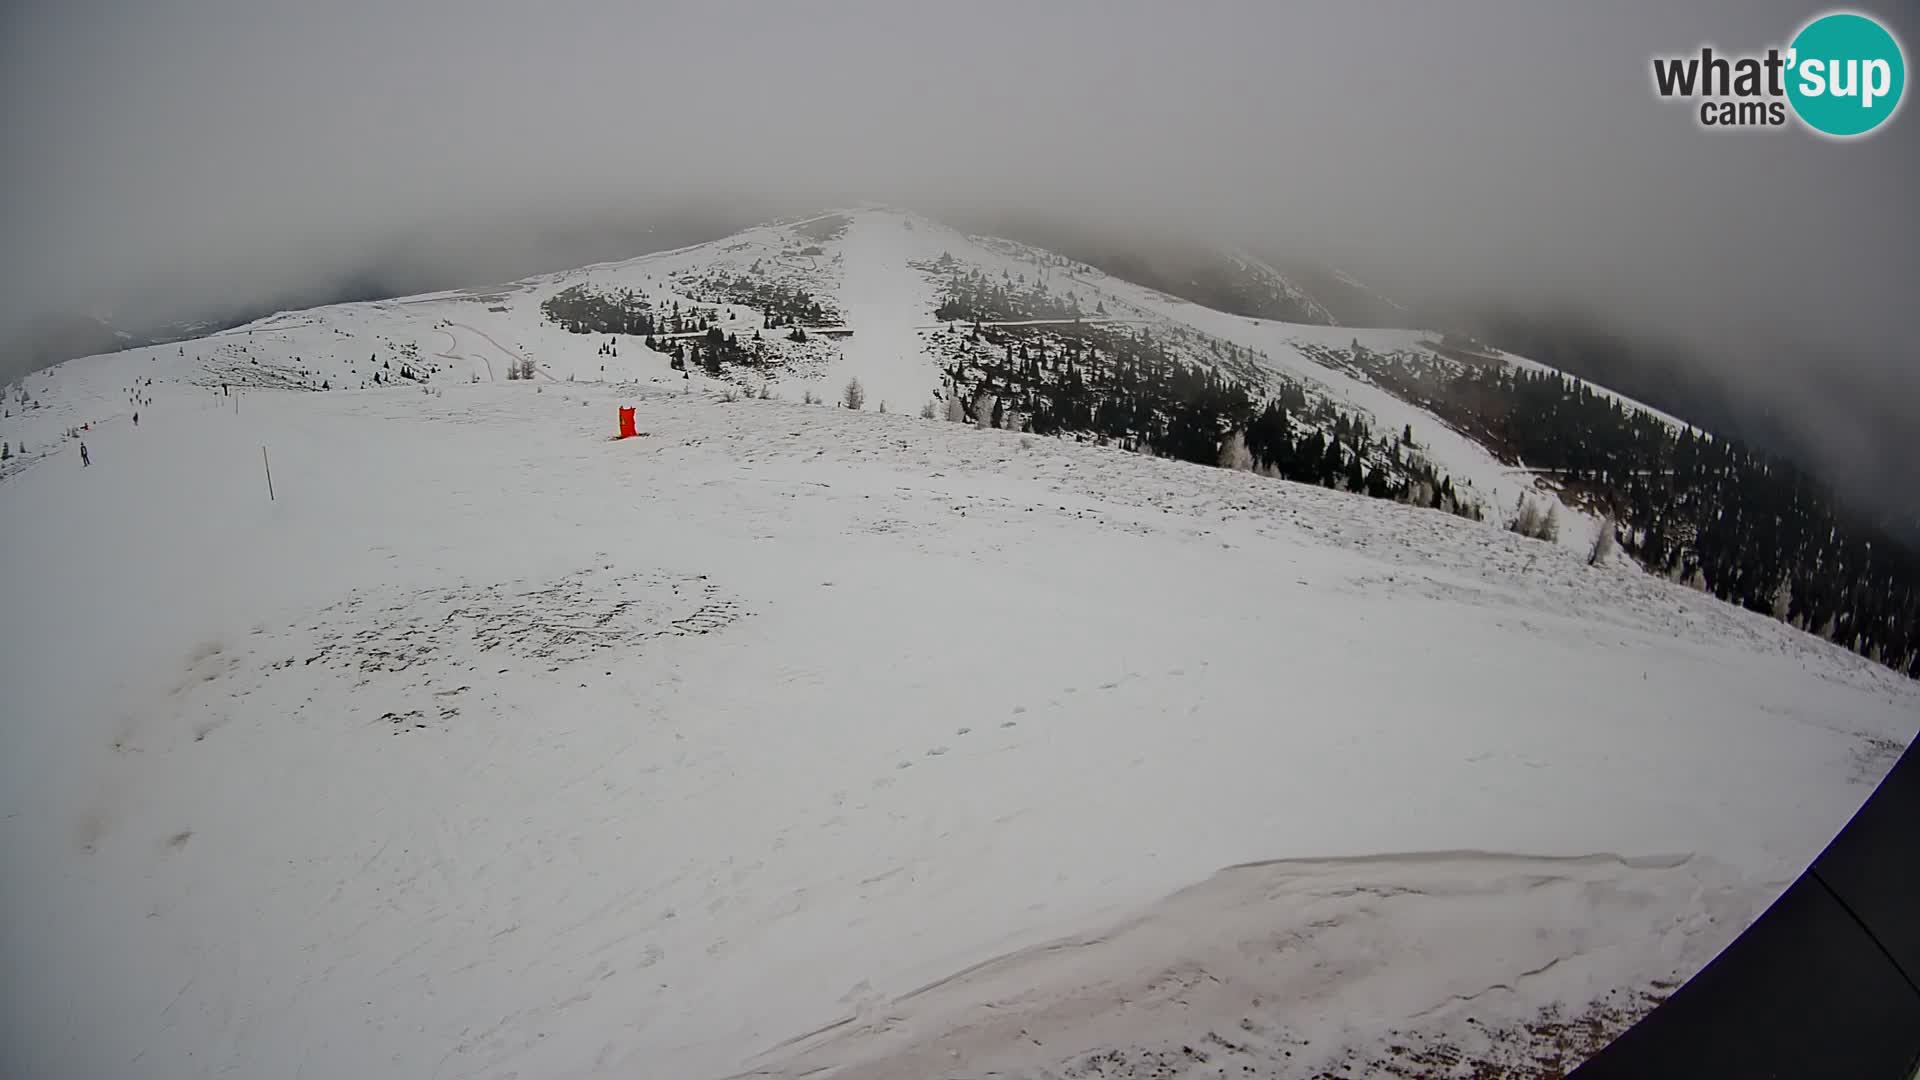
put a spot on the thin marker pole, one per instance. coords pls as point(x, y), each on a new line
point(269, 467)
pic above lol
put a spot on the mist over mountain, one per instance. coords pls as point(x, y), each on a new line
point(718, 538)
point(1848, 423)
point(177, 163)
point(426, 258)
point(1853, 430)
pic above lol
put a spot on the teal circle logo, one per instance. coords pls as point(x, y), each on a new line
point(1845, 74)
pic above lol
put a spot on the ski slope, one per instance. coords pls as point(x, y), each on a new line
point(886, 303)
point(791, 741)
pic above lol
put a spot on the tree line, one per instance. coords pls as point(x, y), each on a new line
point(1125, 387)
point(972, 296)
point(581, 309)
point(1746, 526)
point(781, 305)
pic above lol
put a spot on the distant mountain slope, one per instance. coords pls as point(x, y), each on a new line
point(1726, 399)
point(1227, 279)
point(1349, 300)
point(427, 258)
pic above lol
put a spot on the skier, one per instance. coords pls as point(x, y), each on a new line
point(85, 459)
point(136, 419)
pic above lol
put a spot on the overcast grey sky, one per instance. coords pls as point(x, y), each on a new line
point(192, 152)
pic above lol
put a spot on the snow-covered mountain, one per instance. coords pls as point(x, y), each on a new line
point(792, 740)
point(868, 289)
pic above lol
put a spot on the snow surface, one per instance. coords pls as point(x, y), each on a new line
point(1217, 967)
point(886, 304)
point(494, 747)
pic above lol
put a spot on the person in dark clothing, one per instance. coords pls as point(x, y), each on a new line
point(136, 419)
point(85, 459)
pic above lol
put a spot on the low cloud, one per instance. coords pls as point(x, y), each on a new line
point(187, 156)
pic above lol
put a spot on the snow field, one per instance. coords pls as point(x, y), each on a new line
point(492, 745)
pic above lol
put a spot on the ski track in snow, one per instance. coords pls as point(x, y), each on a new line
point(885, 304)
point(493, 746)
